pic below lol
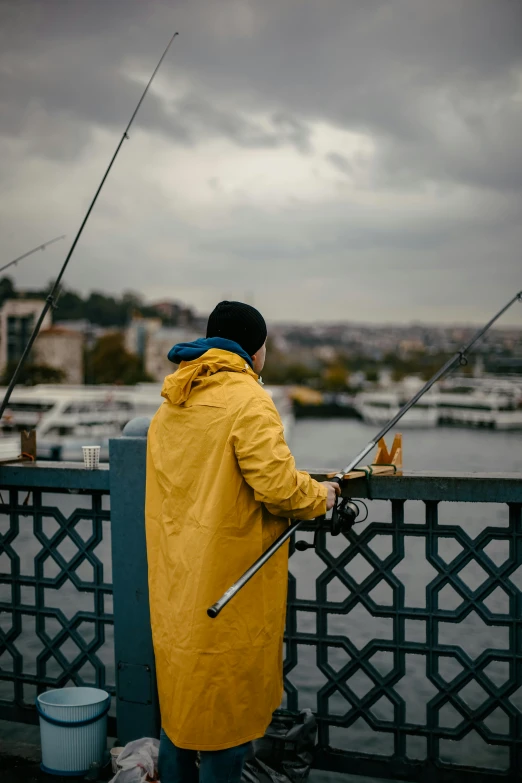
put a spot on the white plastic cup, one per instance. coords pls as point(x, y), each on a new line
point(91, 457)
point(115, 752)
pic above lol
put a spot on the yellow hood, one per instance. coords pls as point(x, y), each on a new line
point(178, 386)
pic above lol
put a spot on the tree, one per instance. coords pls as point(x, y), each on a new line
point(70, 307)
point(281, 369)
point(110, 362)
point(7, 290)
point(132, 301)
point(335, 378)
point(96, 307)
point(32, 374)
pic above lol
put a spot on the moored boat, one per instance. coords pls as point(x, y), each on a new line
point(480, 409)
point(68, 417)
point(377, 408)
point(481, 404)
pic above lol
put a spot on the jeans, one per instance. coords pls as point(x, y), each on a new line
point(176, 765)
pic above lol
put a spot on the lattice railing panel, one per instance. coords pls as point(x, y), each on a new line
point(410, 648)
point(56, 620)
point(405, 636)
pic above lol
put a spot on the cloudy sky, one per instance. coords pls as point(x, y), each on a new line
point(323, 159)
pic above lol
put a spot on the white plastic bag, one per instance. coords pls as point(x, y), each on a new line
point(138, 762)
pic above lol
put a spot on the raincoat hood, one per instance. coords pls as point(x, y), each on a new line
point(198, 371)
point(186, 352)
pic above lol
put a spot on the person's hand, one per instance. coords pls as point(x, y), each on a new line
point(333, 491)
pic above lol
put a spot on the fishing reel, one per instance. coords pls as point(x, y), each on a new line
point(344, 516)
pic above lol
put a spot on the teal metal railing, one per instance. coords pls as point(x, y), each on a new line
point(415, 625)
point(404, 635)
point(56, 616)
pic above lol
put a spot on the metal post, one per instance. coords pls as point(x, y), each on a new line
point(137, 708)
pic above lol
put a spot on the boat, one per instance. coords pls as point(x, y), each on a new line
point(283, 402)
point(485, 409)
point(377, 408)
point(68, 417)
point(482, 403)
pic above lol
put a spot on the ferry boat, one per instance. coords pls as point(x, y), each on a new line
point(377, 408)
point(69, 417)
point(485, 403)
point(492, 410)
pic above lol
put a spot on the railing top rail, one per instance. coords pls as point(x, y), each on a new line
point(54, 476)
point(415, 485)
point(435, 486)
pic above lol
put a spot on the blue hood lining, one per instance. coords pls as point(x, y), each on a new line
point(187, 352)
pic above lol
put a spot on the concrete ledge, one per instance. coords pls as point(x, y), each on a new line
point(20, 761)
point(436, 486)
point(54, 476)
point(20, 750)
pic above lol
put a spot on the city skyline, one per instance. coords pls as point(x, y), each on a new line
point(340, 322)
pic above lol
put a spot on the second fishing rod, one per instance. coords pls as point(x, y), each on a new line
point(345, 514)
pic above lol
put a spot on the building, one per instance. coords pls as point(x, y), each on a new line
point(91, 332)
point(138, 333)
point(17, 321)
point(61, 349)
point(169, 310)
point(159, 344)
point(55, 346)
point(176, 313)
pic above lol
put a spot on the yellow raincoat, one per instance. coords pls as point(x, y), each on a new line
point(221, 485)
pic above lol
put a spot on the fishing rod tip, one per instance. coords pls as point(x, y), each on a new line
point(171, 41)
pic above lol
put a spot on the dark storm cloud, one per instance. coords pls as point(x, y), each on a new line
point(78, 78)
point(370, 66)
point(435, 85)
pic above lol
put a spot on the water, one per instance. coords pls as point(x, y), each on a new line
point(329, 445)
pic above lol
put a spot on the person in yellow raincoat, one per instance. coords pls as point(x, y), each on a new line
point(221, 487)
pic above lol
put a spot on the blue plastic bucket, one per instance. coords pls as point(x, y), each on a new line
point(73, 729)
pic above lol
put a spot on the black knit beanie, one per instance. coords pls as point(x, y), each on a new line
point(238, 322)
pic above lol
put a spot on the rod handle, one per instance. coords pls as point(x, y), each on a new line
point(335, 523)
point(216, 608)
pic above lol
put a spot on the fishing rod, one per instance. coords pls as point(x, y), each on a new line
point(50, 302)
point(344, 516)
point(40, 247)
